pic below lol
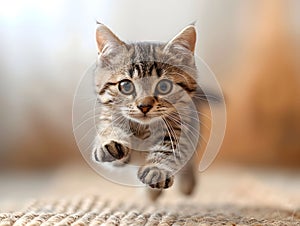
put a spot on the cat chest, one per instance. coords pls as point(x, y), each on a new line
point(144, 137)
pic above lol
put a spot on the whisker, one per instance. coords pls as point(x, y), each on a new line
point(83, 122)
point(88, 147)
point(195, 111)
point(190, 139)
point(174, 136)
point(187, 126)
point(172, 145)
point(86, 98)
point(90, 111)
point(87, 119)
point(120, 126)
point(191, 111)
point(83, 137)
point(197, 119)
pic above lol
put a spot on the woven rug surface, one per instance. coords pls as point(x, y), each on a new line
point(94, 210)
point(76, 197)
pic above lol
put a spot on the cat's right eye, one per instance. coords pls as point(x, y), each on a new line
point(126, 87)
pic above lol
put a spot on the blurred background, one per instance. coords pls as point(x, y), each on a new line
point(253, 47)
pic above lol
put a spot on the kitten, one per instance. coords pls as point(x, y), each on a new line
point(145, 90)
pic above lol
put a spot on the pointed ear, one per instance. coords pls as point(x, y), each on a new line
point(106, 39)
point(186, 39)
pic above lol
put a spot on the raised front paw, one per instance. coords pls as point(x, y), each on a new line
point(155, 177)
point(110, 151)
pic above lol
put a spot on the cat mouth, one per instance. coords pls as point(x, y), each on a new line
point(143, 117)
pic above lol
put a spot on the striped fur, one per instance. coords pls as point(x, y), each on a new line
point(144, 65)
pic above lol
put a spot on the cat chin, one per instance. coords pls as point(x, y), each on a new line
point(144, 119)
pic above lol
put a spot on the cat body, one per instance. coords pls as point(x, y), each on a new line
point(146, 91)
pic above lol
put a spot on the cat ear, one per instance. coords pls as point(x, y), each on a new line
point(106, 39)
point(185, 40)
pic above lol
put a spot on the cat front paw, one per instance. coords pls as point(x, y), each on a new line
point(110, 151)
point(155, 177)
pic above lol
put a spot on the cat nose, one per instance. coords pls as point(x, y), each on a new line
point(145, 104)
point(144, 108)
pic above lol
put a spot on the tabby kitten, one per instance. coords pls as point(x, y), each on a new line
point(145, 90)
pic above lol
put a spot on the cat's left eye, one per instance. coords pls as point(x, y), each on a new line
point(164, 87)
point(126, 87)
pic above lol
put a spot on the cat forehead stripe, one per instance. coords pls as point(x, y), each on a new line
point(144, 69)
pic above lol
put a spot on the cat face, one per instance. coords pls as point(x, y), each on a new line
point(145, 81)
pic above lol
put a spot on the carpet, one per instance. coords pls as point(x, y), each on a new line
point(226, 197)
point(94, 210)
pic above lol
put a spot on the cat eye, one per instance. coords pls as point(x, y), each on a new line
point(126, 87)
point(164, 87)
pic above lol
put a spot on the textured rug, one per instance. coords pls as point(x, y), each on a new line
point(224, 197)
point(93, 210)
